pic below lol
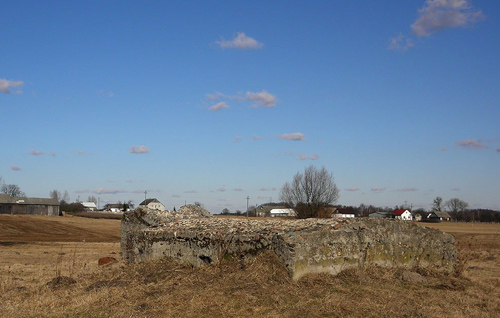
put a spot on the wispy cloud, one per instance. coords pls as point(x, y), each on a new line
point(472, 144)
point(378, 190)
point(238, 189)
point(400, 43)
point(293, 136)
point(498, 149)
point(437, 15)
point(15, 168)
point(6, 86)
point(304, 157)
point(108, 191)
point(139, 149)
point(34, 152)
point(237, 139)
point(218, 106)
point(261, 99)
point(256, 137)
point(191, 191)
point(240, 41)
point(407, 190)
point(81, 153)
point(352, 189)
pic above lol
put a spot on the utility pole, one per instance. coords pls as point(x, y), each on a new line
point(145, 193)
point(248, 198)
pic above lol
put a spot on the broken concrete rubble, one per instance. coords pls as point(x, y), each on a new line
point(192, 236)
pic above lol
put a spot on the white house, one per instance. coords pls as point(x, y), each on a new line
point(89, 206)
point(152, 204)
point(282, 212)
point(402, 214)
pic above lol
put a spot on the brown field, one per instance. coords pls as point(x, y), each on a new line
point(35, 250)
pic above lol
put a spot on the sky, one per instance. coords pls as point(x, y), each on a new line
point(219, 101)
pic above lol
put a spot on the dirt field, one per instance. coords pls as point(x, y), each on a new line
point(35, 250)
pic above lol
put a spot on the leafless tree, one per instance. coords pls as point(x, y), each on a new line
point(310, 191)
point(54, 194)
point(436, 206)
point(456, 205)
point(13, 190)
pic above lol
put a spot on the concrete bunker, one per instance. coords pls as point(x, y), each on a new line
point(193, 236)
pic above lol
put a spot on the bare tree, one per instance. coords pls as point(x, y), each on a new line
point(54, 194)
point(92, 199)
point(13, 190)
point(456, 205)
point(65, 196)
point(436, 206)
point(310, 191)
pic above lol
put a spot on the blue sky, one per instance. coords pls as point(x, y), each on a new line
point(214, 101)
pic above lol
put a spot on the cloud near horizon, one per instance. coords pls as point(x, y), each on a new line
point(472, 144)
point(107, 191)
point(352, 189)
point(6, 85)
point(240, 41)
point(139, 149)
point(378, 190)
point(304, 157)
point(407, 190)
point(293, 136)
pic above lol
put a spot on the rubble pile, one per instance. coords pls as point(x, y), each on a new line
point(192, 236)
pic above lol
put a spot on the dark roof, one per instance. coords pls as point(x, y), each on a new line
point(148, 201)
point(442, 214)
point(5, 198)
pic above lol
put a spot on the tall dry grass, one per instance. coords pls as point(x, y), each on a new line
point(240, 288)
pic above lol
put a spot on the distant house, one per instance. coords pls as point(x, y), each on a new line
point(437, 216)
point(152, 204)
point(402, 214)
point(32, 206)
point(115, 207)
point(89, 206)
point(381, 215)
point(282, 212)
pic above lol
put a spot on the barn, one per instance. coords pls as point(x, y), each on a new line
point(33, 206)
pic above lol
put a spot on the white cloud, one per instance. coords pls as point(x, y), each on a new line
point(5, 86)
point(472, 144)
point(304, 157)
point(293, 136)
point(138, 149)
point(437, 15)
point(263, 99)
point(218, 106)
point(241, 41)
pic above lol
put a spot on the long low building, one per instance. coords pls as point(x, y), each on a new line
point(33, 206)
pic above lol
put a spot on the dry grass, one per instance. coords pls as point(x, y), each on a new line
point(235, 288)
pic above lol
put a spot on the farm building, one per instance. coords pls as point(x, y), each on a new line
point(152, 204)
point(402, 214)
point(35, 206)
point(89, 206)
point(282, 212)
